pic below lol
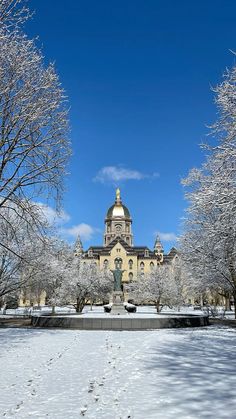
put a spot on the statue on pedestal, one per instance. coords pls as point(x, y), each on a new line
point(117, 275)
point(117, 296)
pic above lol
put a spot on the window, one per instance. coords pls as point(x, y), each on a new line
point(142, 266)
point(146, 253)
point(130, 264)
point(131, 276)
point(151, 266)
point(118, 263)
point(118, 228)
point(105, 264)
point(90, 253)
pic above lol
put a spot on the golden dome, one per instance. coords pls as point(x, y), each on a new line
point(118, 210)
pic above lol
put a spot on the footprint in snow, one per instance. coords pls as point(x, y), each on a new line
point(83, 410)
point(19, 405)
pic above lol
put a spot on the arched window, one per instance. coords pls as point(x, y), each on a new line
point(130, 264)
point(146, 253)
point(142, 266)
point(105, 264)
point(131, 276)
point(151, 266)
point(118, 228)
point(118, 263)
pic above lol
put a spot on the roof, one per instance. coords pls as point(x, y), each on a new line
point(172, 253)
point(118, 206)
point(138, 251)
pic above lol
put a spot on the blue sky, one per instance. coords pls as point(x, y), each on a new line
point(138, 75)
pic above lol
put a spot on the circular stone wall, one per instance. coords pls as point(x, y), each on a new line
point(126, 322)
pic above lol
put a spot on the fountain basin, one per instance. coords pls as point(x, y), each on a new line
point(120, 322)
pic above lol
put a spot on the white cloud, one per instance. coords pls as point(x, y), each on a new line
point(52, 215)
point(116, 174)
point(85, 231)
point(166, 237)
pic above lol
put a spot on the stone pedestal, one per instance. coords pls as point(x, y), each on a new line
point(118, 306)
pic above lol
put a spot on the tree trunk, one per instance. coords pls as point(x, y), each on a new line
point(234, 297)
point(158, 306)
point(79, 305)
point(53, 310)
point(227, 302)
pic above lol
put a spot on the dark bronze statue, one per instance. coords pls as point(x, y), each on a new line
point(117, 275)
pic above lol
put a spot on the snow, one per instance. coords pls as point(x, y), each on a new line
point(184, 373)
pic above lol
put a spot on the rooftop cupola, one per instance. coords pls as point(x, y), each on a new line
point(118, 222)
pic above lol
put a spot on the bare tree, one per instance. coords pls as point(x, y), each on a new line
point(20, 252)
point(34, 146)
point(208, 244)
point(13, 12)
point(157, 287)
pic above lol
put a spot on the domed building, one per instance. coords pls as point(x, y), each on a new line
point(118, 246)
point(118, 223)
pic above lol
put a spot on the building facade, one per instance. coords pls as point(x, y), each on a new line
point(118, 246)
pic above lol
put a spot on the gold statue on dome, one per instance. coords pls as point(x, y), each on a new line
point(118, 194)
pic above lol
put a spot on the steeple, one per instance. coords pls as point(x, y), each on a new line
point(78, 249)
point(158, 248)
point(118, 222)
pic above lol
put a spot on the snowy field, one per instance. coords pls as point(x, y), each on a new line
point(183, 374)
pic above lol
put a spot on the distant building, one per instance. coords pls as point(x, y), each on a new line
point(118, 246)
point(117, 249)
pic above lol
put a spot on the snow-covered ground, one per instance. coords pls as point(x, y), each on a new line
point(63, 374)
point(98, 310)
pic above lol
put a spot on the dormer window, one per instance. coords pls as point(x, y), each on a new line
point(146, 253)
point(90, 253)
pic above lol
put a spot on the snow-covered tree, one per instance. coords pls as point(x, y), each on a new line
point(13, 13)
point(34, 145)
point(157, 286)
point(208, 245)
point(83, 283)
point(50, 271)
point(178, 280)
point(21, 249)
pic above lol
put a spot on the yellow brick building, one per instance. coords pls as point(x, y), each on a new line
point(118, 246)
